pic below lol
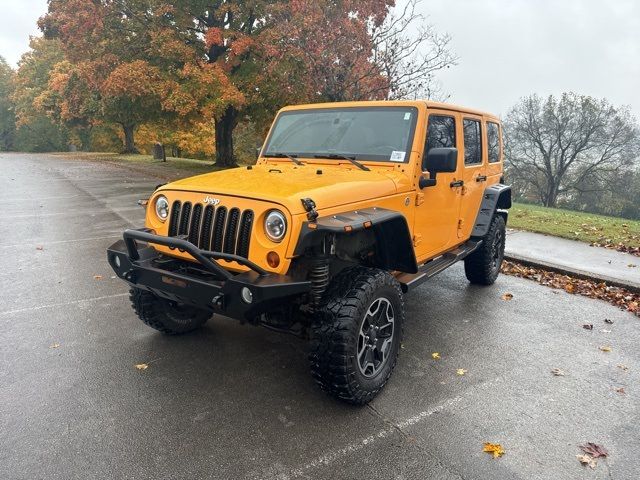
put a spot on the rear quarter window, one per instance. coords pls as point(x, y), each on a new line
point(493, 142)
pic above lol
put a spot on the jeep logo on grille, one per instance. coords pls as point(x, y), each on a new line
point(211, 201)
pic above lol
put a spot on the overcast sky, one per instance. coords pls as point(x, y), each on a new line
point(507, 48)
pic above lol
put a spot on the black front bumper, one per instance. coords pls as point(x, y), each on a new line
point(204, 284)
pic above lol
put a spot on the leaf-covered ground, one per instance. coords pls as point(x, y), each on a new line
point(619, 297)
point(618, 233)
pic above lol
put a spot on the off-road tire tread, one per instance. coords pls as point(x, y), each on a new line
point(478, 267)
point(336, 323)
point(149, 309)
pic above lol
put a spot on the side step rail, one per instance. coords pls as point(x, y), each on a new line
point(409, 281)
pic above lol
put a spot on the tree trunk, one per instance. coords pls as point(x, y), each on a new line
point(551, 198)
point(224, 127)
point(129, 142)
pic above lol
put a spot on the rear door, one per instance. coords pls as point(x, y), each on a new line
point(474, 175)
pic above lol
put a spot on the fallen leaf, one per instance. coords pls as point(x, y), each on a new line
point(605, 348)
point(507, 296)
point(620, 390)
point(461, 371)
point(623, 367)
point(558, 372)
point(608, 321)
point(588, 326)
point(624, 299)
point(435, 356)
point(632, 265)
point(142, 366)
point(493, 448)
point(594, 450)
point(54, 345)
point(39, 247)
point(97, 277)
point(587, 461)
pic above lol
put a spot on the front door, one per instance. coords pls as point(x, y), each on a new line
point(474, 173)
point(437, 209)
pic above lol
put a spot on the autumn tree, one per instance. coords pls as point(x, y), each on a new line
point(108, 75)
point(361, 50)
point(228, 61)
point(558, 147)
point(36, 131)
point(7, 115)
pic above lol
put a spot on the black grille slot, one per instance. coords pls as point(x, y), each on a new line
point(194, 228)
point(218, 229)
point(173, 220)
point(209, 228)
point(205, 233)
point(184, 219)
point(232, 231)
point(244, 236)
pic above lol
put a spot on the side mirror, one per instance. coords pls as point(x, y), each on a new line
point(442, 160)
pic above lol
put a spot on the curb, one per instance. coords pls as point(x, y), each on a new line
point(573, 272)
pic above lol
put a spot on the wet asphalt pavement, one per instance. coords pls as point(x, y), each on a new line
point(235, 401)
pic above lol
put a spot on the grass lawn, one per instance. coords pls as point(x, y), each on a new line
point(587, 227)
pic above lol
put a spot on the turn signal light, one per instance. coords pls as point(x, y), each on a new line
point(273, 259)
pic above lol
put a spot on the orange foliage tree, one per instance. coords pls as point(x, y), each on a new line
point(223, 61)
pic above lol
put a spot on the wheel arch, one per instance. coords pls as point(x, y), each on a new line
point(495, 200)
point(393, 243)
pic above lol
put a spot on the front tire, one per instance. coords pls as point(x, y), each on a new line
point(355, 338)
point(483, 266)
point(168, 317)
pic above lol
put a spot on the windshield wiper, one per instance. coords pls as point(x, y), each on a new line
point(352, 159)
point(284, 155)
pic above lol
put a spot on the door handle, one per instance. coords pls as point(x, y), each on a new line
point(481, 178)
point(457, 183)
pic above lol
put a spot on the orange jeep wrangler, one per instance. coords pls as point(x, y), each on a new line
point(349, 206)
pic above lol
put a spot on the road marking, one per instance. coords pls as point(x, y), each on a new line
point(53, 305)
point(58, 242)
point(331, 456)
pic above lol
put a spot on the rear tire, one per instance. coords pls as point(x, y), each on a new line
point(482, 267)
point(355, 338)
point(168, 317)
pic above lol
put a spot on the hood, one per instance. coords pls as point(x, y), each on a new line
point(287, 184)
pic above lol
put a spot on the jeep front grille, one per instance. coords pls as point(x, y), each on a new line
point(210, 228)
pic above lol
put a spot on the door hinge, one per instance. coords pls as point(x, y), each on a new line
point(417, 238)
point(419, 199)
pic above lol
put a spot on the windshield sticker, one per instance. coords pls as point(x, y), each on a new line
point(407, 116)
point(397, 156)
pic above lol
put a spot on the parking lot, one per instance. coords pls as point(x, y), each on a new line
point(235, 401)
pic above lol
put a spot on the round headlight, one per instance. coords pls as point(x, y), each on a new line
point(275, 225)
point(162, 207)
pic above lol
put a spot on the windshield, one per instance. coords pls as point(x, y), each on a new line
point(381, 134)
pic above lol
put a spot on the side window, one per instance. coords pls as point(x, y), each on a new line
point(493, 142)
point(472, 142)
point(441, 133)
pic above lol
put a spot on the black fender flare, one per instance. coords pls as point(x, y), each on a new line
point(394, 246)
point(496, 199)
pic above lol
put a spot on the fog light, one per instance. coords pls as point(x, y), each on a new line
point(116, 260)
point(273, 259)
point(247, 296)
